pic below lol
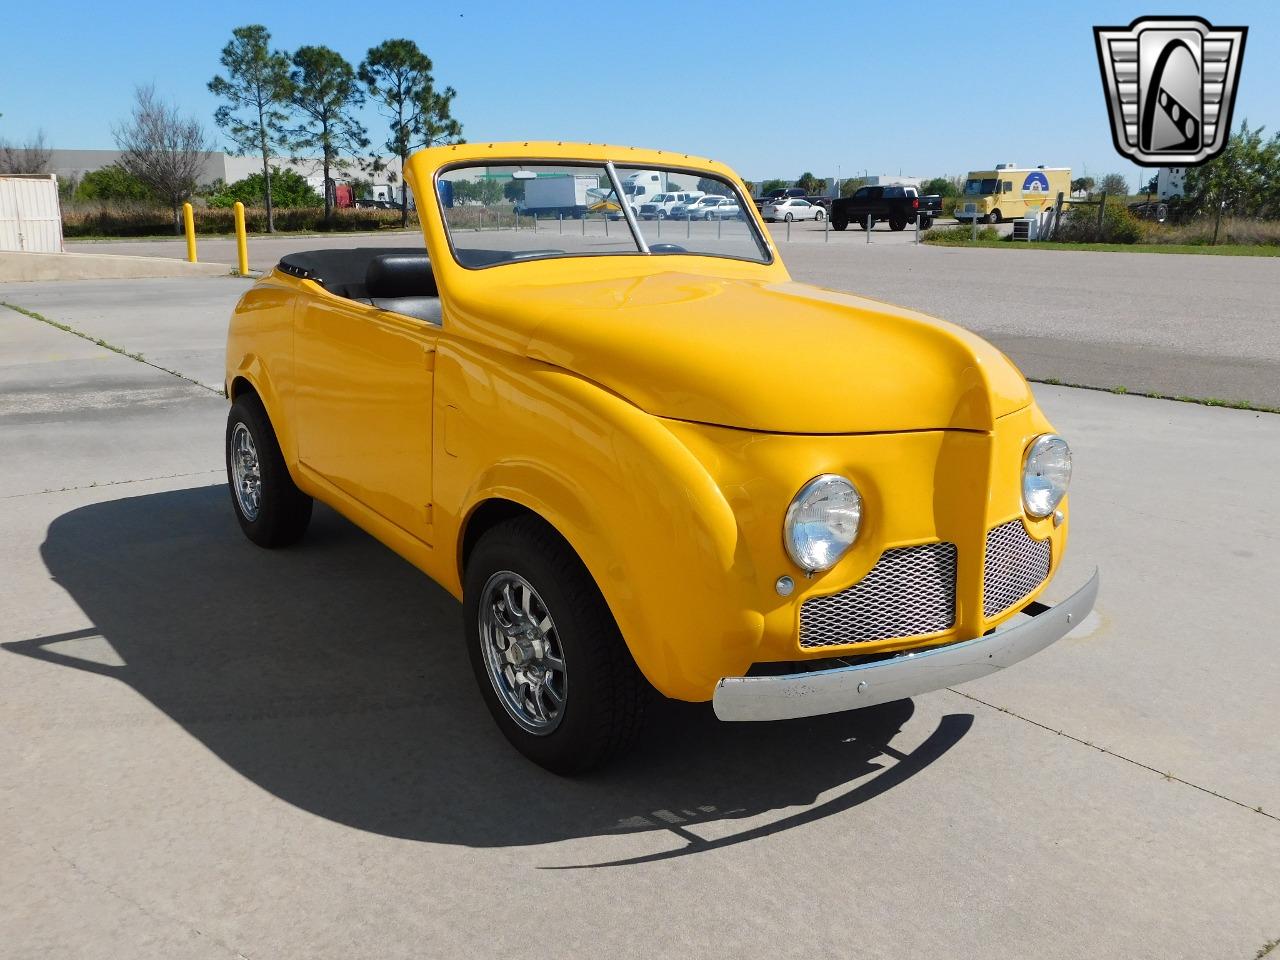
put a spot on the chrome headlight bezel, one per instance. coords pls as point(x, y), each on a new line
point(803, 547)
point(1044, 498)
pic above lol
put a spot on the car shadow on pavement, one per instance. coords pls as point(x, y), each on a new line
point(333, 675)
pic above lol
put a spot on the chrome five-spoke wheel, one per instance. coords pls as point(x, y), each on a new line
point(522, 653)
point(246, 473)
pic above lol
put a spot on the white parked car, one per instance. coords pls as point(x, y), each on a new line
point(707, 208)
point(792, 208)
point(661, 205)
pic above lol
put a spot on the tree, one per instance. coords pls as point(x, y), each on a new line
point(290, 187)
point(255, 89)
point(112, 183)
point(810, 184)
point(437, 125)
point(940, 186)
point(1115, 185)
point(1244, 178)
point(1082, 183)
point(850, 186)
point(513, 190)
point(322, 88)
point(770, 185)
point(30, 157)
point(712, 186)
point(398, 76)
point(1153, 184)
point(162, 148)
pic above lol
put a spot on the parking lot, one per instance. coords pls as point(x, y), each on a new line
point(210, 750)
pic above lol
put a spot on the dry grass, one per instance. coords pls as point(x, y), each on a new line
point(147, 220)
point(1232, 230)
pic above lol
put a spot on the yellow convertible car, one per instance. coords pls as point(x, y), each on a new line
point(646, 460)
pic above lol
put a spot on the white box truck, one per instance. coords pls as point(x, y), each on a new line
point(559, 195)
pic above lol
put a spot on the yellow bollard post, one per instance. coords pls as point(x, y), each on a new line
point(189, 221)
point(242, 242)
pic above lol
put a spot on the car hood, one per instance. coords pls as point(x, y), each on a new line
point(778, 357)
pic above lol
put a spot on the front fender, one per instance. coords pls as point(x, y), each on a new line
point(643, 514)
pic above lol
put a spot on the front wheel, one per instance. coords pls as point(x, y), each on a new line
point(271, 510)
point(552, 666)
point(993, 216)
point(707, 217)
point(819, 216)
point(838, 223)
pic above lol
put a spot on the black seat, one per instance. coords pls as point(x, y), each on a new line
point(403, 283)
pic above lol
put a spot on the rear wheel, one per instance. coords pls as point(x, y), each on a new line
point(271, 511)
point(993, 216)
point(552, 666)
point(707, 216)
point(838, 223)
point(788, 218)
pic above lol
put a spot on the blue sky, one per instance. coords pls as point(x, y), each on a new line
point(770, 89)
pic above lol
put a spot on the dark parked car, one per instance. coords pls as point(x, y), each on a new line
point(898, 205)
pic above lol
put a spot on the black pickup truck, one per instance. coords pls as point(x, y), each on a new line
point(898, 205)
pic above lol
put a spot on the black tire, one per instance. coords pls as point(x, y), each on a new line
point(865, 224)
point(897, 225)
point(926, 223)
point(819, 215)
point(604, 697)
point(838, 223)
point(707, 217)
point(788, 218)
point(993, 216)
point(283, 511)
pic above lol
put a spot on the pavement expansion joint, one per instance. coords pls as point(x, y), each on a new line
point(1119, 756)
point(111, 483)
point(107, 346)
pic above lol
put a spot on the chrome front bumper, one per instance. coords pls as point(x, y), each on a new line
point(865, 685)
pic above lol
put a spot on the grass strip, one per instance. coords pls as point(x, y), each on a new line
point(1179, 397)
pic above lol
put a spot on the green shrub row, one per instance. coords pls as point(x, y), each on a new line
point(146, 223)
point(957, 236)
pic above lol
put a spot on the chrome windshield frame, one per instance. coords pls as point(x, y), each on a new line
point(626, 207)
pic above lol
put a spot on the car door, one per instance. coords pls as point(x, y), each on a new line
point(363, 405)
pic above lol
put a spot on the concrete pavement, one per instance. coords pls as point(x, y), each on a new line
point(210, 750)
point(1170, 324)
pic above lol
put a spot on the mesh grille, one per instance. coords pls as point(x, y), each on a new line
point(910, 591)
point(1015, 565)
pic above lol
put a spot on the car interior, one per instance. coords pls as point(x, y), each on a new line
point(400, 279)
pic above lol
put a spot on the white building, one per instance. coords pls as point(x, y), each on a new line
point(228, 168)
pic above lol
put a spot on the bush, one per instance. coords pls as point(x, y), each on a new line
point(288, 189)
point(125, 221)
point(958, 236)
point(1118, 225)
point(949, 205)
point(112, 183)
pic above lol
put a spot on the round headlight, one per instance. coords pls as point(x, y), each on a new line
point(1045, 474)
point(822, 522)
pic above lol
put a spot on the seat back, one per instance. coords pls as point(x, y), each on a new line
point(393, 276)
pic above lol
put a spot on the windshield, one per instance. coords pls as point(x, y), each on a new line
point(979, 187)
point(538, 209)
